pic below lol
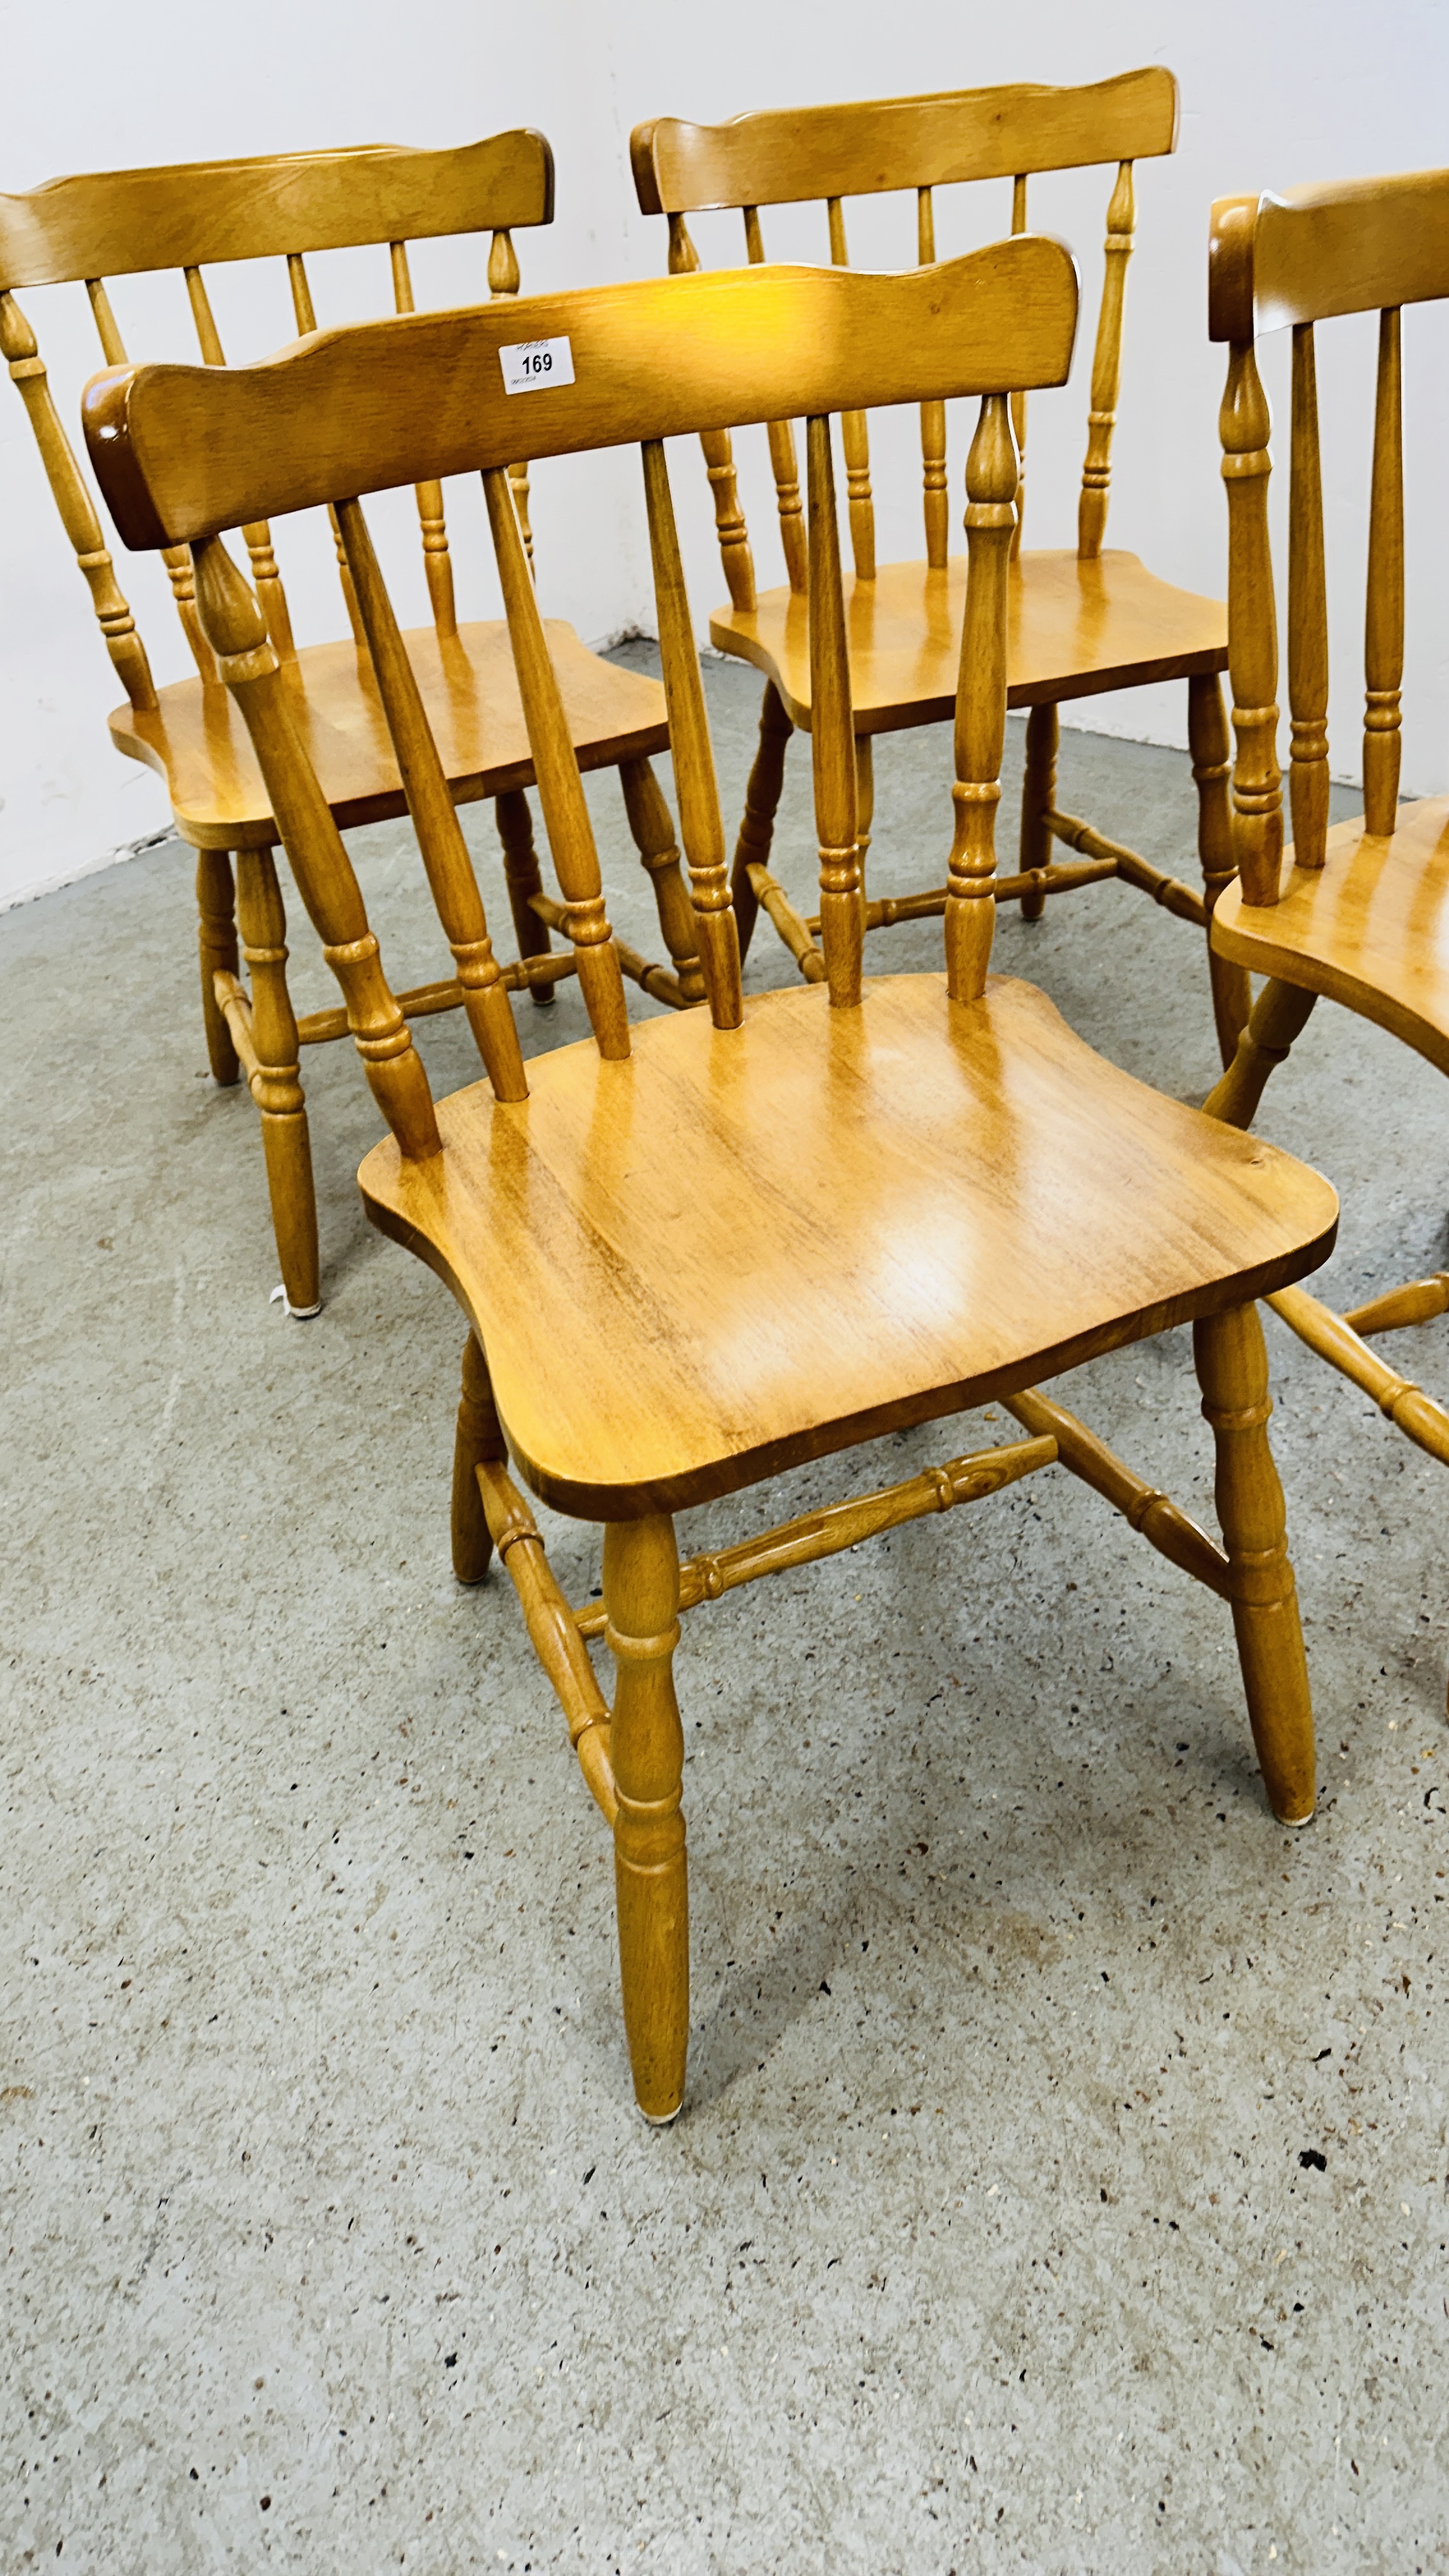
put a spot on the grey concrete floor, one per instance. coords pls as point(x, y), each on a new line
point(987, 2239)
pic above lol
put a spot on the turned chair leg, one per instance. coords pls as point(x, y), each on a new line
point(762, 798)
point(1207, 735)
point(1038, 796)
point(1232, 1370)
point(275, 1086)
point(652, 826)
point(1278, 1016)
point(522, 876)
point(641, 1598)
point(477, 1441)
point(216, 944)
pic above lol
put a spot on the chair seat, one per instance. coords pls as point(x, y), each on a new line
point(741, 1249)
point(198, 742)
point(1370, 928)
point(1074, 629)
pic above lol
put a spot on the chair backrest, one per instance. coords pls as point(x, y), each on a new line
point(784, 156)
point(123, 223)
point(184, 454)
point(1360, 246)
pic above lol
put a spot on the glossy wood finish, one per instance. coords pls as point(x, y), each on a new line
point(1081, 622)
point(744, 1238)
point(1361, 913)
point(812, 1146)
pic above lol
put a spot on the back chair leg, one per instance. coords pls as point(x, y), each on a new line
point(523, 878)
point(864, 800)
point(652, 825)
point(1207, 735)
point(216, 942)
point(477, 1440)
point(1232, 1370)
point(275, 1086)
point(1038, 797)
point(641, 1598)
point(762, 798)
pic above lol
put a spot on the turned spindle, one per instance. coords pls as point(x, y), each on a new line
point(1252, 630)
point(980, 702)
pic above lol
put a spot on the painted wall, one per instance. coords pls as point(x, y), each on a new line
point(1273, 95)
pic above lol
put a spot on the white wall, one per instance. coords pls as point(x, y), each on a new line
point(1274, 94)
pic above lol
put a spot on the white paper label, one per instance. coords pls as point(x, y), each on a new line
point(531, 364)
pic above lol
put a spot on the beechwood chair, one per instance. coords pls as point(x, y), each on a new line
point(673, 1289)
point(125, 223)
point(1362, 914)
point(1079, 622)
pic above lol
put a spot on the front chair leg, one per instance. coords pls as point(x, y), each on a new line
point(1207, 735)
point(641, 1598)
point(1232, 1370)
point(216, 943)
point(478, 1440)
point(275, 1086)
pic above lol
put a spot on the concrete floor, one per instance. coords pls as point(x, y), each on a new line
point(332, 2240)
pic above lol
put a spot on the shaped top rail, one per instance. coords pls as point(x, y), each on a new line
point(780, 156)
point(118, 223)
point(1353, 246)
point(188, 452)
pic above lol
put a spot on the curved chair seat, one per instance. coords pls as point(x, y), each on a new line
point(1075, 628)
point(721, 1256)
point(1370, 928)
point(197, 742)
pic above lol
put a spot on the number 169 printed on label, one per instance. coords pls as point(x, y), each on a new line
point(531, 364)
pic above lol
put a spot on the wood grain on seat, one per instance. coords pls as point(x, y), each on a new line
point(1370, 928)
point(1075, 628)
point(764, 1244)
point(198, 743)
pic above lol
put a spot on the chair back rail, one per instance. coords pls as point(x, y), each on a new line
point(185, 454)
point(194, 215)
point(185, 451)
point(868, 147)
point(1293, 261)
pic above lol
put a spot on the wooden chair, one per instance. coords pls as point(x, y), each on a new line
point(1362, 913)
point(123, 223)
point(706, 1248)
point(1078, 622)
